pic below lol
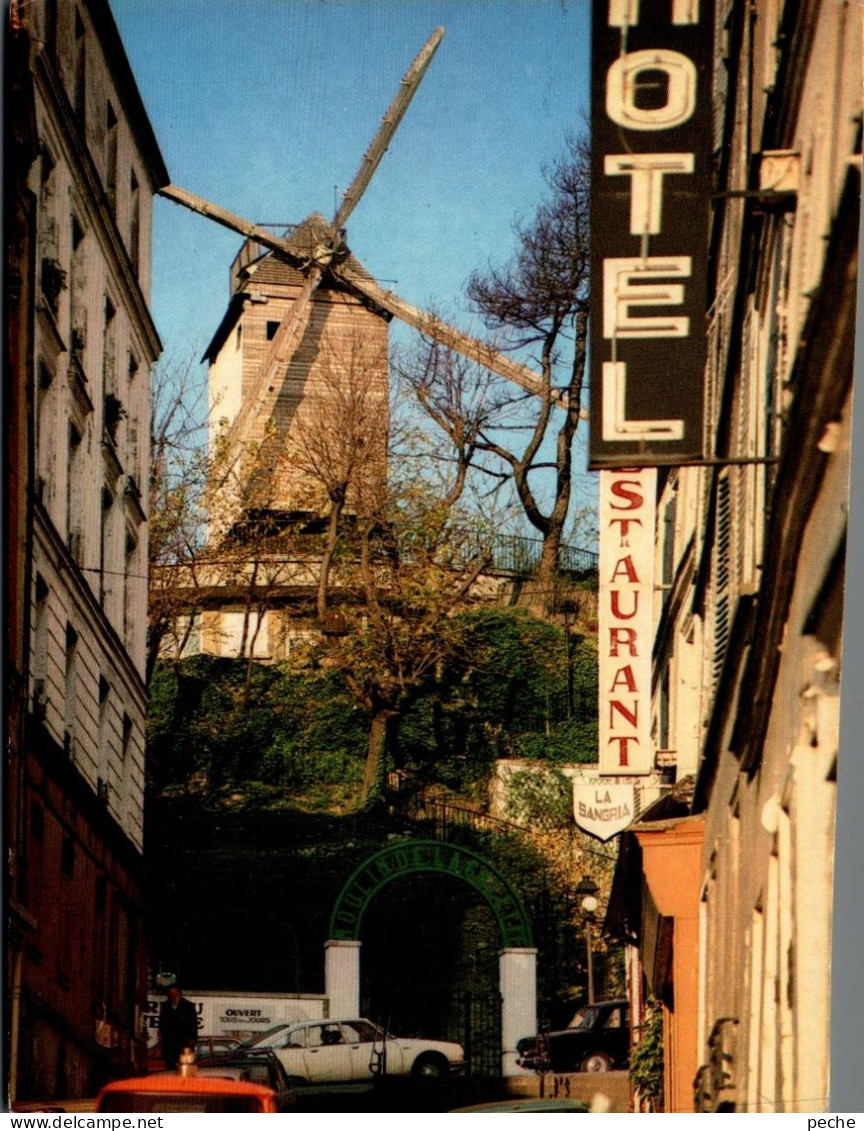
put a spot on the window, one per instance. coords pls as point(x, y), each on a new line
point(272, 330)
point(244, 633)
point(78, 290)
point(67, 857)
point(105, 560)
point(134, 223)
point(670, 515)
point(40, 646)
point(111, 129)
point(129, 589)
point(104, 737)
point(74, 536)
point(663, 728)
point(44, 433)
point(47, 205)
point(71, 689)
point(127, 737)
point(109, 349)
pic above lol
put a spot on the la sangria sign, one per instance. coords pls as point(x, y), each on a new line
point(651, 142)
point(626, 592)
point(603, 809)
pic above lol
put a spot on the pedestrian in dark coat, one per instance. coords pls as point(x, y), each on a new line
point(178, 1026)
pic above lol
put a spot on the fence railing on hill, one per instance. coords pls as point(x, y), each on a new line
point(513, 553)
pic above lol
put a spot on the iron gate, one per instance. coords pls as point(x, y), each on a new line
point(476, 1025)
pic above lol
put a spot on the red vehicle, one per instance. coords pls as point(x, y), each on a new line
point(175, 1093)
point(205, 1045)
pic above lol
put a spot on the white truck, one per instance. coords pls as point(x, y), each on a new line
point(239, 1013)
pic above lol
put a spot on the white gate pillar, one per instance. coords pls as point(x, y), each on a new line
point(342, 977)
point(518, 982)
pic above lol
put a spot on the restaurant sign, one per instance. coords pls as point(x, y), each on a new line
point(603, 810)
point(625, 614)
point(651, 142)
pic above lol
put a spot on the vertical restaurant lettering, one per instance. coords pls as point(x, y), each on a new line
point(651, 142)
point(625, 619)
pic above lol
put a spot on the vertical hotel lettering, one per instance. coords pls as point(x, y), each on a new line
point(627, 516)
point(651, 143)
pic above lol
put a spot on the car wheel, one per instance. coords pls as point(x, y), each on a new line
point(597, 1062)
point(430, 1064)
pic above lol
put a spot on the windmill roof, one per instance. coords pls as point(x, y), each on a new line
point(269, 268)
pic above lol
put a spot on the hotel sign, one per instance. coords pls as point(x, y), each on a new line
point(625, 614)
point(651, 139)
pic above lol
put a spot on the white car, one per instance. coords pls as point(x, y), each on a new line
point(330, 1050)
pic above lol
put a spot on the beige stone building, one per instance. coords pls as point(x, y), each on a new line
point(750, 563)
point(75, 809)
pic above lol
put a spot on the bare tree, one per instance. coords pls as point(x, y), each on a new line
point(336, 448)
point(177, 528)
point(537, 301)
point(419, 564)
point(402, 556)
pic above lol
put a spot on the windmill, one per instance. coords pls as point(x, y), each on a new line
point(326, 255)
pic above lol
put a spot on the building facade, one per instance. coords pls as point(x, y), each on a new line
point(84, 342)
point(750, 556)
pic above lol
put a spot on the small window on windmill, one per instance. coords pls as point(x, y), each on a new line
point(272, 329)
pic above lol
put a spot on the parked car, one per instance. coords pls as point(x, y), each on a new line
point(525, 1105)
point(205, 1044)
point(171, 1092)
point(596, 1040)
point(332, 1049)
point(261, 1066)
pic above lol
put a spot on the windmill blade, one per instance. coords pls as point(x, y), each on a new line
point(372, 158)
point(235, 223)
point(434, 327)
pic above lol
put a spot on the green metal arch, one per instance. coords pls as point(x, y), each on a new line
point(411, 856)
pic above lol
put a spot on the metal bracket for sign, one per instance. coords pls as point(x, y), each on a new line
point(709, 461)
point(730, 461)
point(765, 196)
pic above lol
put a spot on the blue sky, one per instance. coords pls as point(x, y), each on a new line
point(267, 106)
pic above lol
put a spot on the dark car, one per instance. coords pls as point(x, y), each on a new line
point(257, 1066)
point(596, 1040)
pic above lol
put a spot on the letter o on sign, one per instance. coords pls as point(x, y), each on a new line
point(622, 81)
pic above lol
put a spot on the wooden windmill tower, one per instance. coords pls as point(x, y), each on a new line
point(301, 299)
point(337, 366)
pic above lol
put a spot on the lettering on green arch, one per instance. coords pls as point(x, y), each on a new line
point(412, 856)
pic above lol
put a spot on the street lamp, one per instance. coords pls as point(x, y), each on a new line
point(587, 890)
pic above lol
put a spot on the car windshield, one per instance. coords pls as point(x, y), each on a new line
point(178, 1102)
point(583, 1019)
